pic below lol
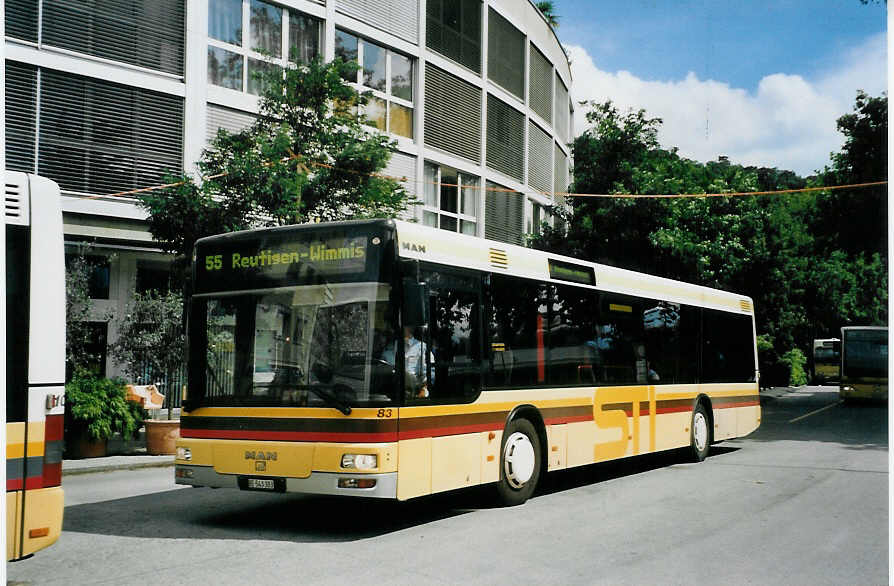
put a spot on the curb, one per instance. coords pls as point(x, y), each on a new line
point(115, 467)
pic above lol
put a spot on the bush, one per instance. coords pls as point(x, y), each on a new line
point(98, 407)
point(795, 360)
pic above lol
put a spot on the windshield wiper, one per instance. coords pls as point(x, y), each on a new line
point(329, 397)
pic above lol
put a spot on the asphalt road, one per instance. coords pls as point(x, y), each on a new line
point(804, 500)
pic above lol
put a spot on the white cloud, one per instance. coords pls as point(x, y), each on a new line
point(788, 122)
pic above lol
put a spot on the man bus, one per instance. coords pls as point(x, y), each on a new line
point(864, 363)
point(35, 363)
point(533, 362)
point(826, 360)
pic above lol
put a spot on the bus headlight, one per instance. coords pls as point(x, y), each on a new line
point(360, 461)
point(184, 454)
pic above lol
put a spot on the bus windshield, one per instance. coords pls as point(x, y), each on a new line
point(866, 354)
point(294, 317)
point(314, 345)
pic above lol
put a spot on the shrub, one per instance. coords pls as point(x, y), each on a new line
point(98, 407)
point(796, 360)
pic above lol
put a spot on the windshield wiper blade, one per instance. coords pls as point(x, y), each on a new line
point(330, 398)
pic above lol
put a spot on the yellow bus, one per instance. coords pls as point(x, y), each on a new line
point(387, 359)
point(826, 360)
point(864, 363)
point(35, 363)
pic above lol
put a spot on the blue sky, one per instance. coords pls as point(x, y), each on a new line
point(759, 81)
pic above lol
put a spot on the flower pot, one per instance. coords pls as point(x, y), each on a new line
point(161, 434)
point(81, 447)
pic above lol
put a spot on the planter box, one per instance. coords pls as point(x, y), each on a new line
point(161, 435)
point(82, 447)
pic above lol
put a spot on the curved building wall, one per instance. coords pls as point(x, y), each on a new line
point(476, 93)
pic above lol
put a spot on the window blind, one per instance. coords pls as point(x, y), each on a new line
point(101, 137)
point(398, 17)
point(146, 33)
point(541, 88)
point(505, 54)
point(452, 114)
point(21, 19)
point(505, 138)
point(562, 113)
point(453, 29)
point(504, 213)
point(227, 118)
point(21, 117)
point(540, 147)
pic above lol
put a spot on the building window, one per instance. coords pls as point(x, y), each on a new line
point(505, 138)
point(505, 54)
point(143, 33)
point(387, 76)
point(453, 29)
point(504, 212)
point(101, 137)
point(540, 85)
point(276, 37)
point(451, 199)
point(537, 216)
point(153, 276)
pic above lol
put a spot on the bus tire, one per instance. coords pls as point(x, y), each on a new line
point(700, 433)
point(520, 462)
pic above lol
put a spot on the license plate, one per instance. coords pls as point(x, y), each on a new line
point(261, 484)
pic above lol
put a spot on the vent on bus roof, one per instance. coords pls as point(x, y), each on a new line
point(746, 306)
point(498, 258)
point(16, 202)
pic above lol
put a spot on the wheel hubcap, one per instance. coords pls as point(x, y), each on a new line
point(518, 460)
point(700, 431)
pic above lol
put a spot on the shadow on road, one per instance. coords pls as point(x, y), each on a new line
point(596, 473)
point(204, 513)
point(815, 414)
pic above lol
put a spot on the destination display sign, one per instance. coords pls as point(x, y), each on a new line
point(566, 271)
point(281, 259)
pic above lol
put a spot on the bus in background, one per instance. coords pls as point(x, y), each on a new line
point(388, 359)
point(826, 360)
point(864, 363)
point(35, 363)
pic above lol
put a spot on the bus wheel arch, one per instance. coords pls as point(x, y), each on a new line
point(701, 429)
point(522, 461)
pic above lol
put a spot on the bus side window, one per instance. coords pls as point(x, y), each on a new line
point(454, 336)
point(518, 329)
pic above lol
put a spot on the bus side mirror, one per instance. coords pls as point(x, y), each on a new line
point(415, 303)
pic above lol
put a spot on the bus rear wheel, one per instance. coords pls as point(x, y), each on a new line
point(700, 433)
point(520, 461)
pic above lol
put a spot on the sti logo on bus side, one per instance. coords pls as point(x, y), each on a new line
point(267, 456)
point(413, 247)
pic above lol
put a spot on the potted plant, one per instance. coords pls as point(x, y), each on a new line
point(150, 348)
point(95, 409)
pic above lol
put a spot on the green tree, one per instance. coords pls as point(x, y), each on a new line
point(151, 339)
point(773, 248)
point(308, 156)
point(856, 221)
point(548, 9)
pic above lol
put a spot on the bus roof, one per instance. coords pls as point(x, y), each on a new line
point(438, 246)
point(425, 243)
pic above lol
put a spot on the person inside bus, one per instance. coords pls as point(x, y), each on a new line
point(415, 380)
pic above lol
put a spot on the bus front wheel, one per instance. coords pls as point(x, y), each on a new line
point(519, 463)
point(700, 433)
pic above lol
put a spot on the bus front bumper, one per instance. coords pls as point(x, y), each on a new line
point(383, 485)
